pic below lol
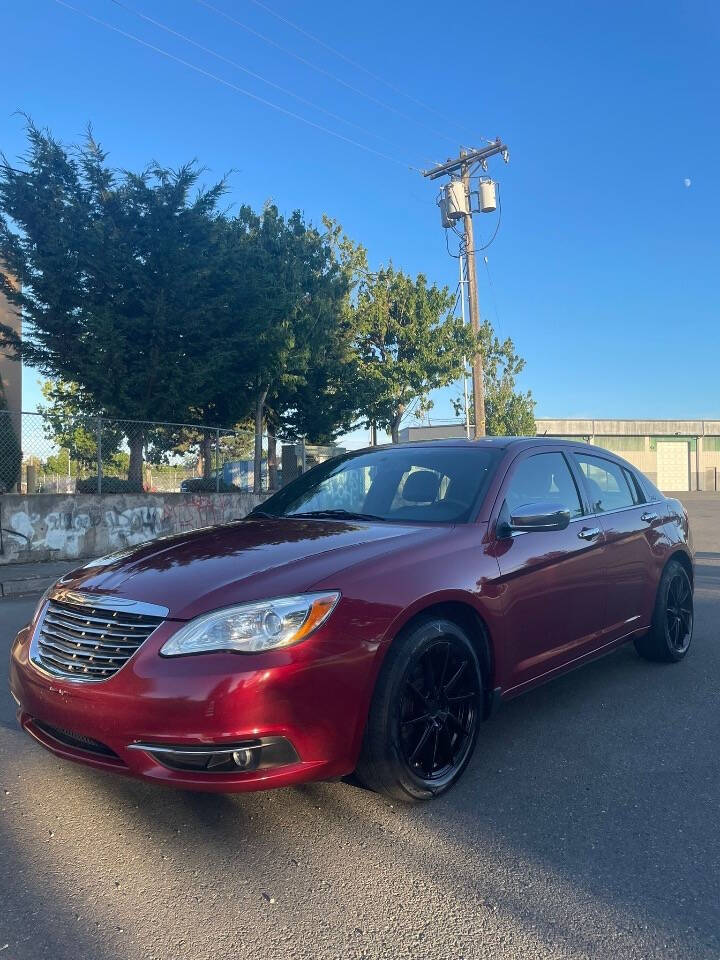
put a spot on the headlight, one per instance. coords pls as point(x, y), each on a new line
point(252, 627)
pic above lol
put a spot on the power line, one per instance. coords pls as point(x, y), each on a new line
point(251, 73)
point(234, 86)
point(353, 63)
point(321, 70)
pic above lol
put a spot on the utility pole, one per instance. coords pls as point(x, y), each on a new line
point(464, 164)
point(478, 384)
point(466, 401)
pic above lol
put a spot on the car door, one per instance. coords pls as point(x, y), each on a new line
point(552, 589)
point(630, 527)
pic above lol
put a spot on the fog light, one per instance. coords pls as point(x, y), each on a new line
point(243, 758)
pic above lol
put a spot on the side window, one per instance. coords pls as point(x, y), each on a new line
point(607, 484)
point(543, 477)
point(635, 488)
point(652, 494)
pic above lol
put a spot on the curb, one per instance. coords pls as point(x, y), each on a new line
point(28, 586)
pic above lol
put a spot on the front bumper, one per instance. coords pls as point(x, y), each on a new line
point(313, 697)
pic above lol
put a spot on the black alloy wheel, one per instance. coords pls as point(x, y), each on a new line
point(670, 635)
point(679, 612)
point(438, 709)
point(425, 713)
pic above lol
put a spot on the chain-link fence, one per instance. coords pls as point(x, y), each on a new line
point(52, 453)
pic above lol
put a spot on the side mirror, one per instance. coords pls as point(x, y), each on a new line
point(532, 517)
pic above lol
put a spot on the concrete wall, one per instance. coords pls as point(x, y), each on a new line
point(59, 527)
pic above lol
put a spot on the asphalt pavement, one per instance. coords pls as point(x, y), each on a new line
point(586, 826)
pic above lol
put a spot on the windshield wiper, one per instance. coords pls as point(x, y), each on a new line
point(261, 513)
point(337, 515)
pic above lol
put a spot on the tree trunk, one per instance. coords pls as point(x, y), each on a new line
point(259, 411)
point(272, 461)
point(395, 424)
point(135, 468)
point(206, 454)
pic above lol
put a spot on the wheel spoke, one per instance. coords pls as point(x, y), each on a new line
point(422, 741)
point(455, 677)
point(450, 746)
point(453, 722)
point(433, 762)
point(446, 661)
point(429, 676)
point(413, 720)
point(462, 697)
point(419, 694)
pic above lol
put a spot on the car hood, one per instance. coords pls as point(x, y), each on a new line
point(193, 573)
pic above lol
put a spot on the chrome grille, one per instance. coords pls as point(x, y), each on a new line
point(86, 637)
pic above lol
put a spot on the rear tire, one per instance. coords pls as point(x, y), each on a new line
point(670, 636)
point(425, 713)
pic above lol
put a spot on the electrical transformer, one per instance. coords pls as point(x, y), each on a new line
point(442, 203)
point(486, 195)
point(456, 199)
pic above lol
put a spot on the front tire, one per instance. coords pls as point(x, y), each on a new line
point(669, 638)
point(425, 713)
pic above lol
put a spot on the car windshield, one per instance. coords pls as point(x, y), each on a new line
point(401, 484)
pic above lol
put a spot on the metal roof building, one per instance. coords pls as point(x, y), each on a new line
point(677, 455)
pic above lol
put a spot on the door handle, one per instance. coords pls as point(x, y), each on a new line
point(589, 533)
point(649, 517)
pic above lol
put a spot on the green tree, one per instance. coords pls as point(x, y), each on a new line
point(73, 423)
point(117, 274)
point(282, 319)
point(321, 400)
point(408, 343)
point(509, 412)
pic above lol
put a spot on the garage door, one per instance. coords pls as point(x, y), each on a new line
point(673, 465)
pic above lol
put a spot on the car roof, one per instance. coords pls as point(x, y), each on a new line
point(499, 443)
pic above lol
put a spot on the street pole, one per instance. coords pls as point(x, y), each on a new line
point(478, 385)
point(463, 164)
point(465, 379)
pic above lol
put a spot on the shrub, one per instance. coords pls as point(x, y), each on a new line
point(201, 485)
point(109, 485)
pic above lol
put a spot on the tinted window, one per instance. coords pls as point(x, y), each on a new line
point(635, 489)
point(650, 490)
point(408, 484)
point(607, 484)
point(543, 477)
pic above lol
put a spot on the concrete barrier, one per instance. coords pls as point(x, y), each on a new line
point(59, 527)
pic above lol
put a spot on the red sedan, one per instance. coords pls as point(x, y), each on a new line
point(365, 618)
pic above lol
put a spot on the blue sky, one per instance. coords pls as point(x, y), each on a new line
point(605, 270)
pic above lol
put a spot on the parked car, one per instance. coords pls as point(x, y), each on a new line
point(365, 618)
point(211, 484)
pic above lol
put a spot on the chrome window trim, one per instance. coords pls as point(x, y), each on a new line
point(634, 506)
point(104, 602)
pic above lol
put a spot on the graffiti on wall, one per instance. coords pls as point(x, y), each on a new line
point(78, 526)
